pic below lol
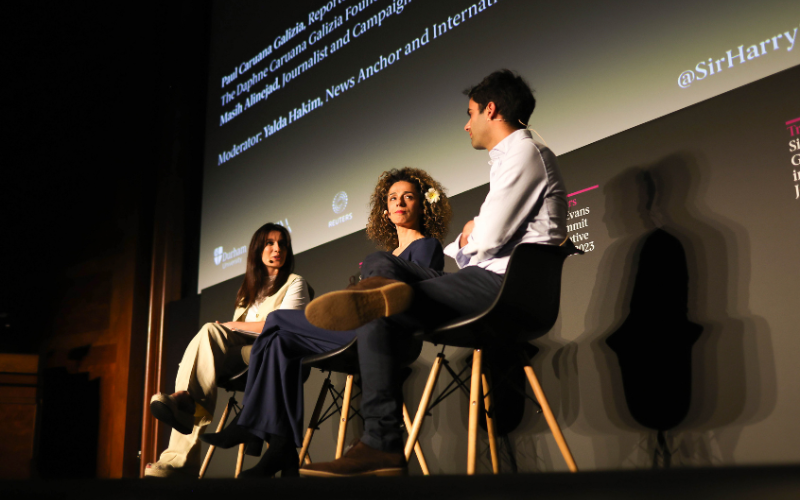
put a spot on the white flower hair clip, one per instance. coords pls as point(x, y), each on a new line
point(432, 195)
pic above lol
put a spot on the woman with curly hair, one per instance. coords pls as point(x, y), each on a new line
point(409, 206)
point(409, 213)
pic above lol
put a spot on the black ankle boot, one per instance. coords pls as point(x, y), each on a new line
point(280, 456)
point(233, 435)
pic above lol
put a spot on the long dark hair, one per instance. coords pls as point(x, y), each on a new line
point(256, 275)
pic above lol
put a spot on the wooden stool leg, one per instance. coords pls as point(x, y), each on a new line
point(417, 449)
point(210, 453)
point(551, 420)
point(487, 403)
point(239, 460)
point(413, 431)
point(312, 425)
point(474, 394)
point(348, 390)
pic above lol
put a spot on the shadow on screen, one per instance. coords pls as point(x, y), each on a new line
point(681, 359)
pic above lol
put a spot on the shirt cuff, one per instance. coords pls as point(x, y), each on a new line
point(456, 253)
point(452, 249)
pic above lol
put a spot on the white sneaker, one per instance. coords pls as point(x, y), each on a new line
point(158, 469)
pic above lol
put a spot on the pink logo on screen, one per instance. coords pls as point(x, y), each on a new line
point(217, 255)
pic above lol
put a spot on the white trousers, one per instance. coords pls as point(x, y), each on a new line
point(204, 358)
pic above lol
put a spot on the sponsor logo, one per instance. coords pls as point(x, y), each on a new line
point(228, 259)
point(339, 202)
point(285, 223)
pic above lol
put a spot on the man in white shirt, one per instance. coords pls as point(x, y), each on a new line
point(526, 203)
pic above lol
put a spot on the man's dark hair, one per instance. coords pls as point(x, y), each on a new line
point(510, 94)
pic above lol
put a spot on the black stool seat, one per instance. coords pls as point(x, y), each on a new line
point(345, 360)
point(235, 383)
point(525, 308)
point(341, 360)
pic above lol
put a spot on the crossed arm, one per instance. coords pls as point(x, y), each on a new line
point(517, 183)
point(468, 227)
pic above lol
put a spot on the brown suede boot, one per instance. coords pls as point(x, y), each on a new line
point(360, 460)
point(369, 299)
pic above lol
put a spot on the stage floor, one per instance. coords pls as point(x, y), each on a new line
point(686, 484)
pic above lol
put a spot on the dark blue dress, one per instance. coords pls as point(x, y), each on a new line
point(426, 253)
point(273, 400)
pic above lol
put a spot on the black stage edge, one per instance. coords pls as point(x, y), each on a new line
point(782, 482)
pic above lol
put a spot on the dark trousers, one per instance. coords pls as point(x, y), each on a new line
point(273, 400)
point(438, 299)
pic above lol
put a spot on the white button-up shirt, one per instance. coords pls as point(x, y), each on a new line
point(296, 297)
point(527, 203)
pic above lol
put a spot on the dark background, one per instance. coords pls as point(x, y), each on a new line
point(105, 108)
point(106, 100)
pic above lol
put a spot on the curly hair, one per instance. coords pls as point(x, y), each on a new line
point(435, 216)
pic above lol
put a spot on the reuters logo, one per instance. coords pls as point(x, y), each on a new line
point(339, 202)
point(217, 256)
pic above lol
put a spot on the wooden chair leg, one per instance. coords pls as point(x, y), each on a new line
point(551, 420)
point(210, 453)
point(239, 460)
point(312, 425)
point(413, 431)
point(348, 390)
point(474, 394)
point(417, 449)
point(487, 403)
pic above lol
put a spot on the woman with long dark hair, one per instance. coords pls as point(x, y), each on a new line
point(269, 284)
point(409, 215)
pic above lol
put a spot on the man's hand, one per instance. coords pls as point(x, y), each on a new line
point(468, 227)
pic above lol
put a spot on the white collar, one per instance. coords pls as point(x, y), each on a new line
point(508, 141)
